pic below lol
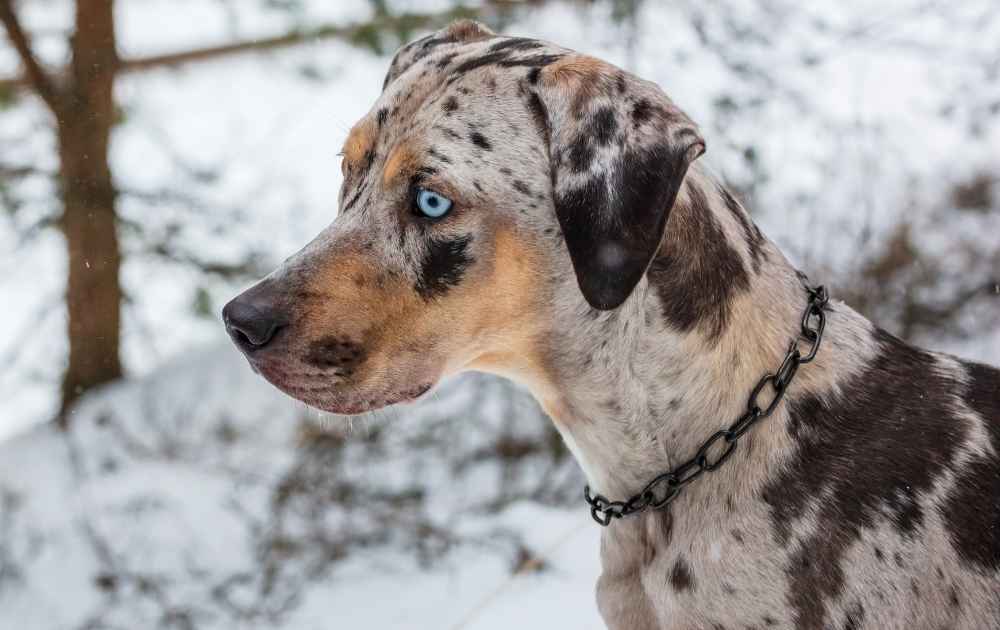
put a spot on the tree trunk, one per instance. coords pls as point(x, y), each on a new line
point(86, 116)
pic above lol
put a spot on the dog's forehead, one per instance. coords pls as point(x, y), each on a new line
point(436, 81)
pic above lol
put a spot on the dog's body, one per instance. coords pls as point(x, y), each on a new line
point(870, 499)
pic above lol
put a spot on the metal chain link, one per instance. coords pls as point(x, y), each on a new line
point(663, 489)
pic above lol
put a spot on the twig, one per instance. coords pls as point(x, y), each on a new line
point(35, 76)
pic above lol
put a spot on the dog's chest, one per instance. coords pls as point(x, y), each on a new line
point(661, 574)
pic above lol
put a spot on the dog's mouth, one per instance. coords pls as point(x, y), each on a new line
point(327, 399)
point(328, 391)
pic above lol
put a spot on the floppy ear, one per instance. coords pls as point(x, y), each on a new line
point(619, 150)
point(458, 32)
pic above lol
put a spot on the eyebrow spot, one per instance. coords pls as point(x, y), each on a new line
point(402, 158)
point(359, 141)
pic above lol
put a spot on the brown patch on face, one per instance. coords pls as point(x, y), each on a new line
point(359, 142)
point(335, 301)
point(365, 338)
point(505, 314)
point(402, 160)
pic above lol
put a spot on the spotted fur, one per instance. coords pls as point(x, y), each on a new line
point(589, 256)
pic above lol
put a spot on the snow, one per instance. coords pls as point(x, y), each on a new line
point(185, 488)
point(167, 485)
point(251, 141)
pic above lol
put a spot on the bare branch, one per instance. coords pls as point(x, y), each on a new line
point(35, 77)
point(353, 33)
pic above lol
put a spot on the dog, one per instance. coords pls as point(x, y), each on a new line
point(518, 208)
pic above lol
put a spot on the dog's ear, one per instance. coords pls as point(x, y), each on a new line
point(619, 150)
point(458, 32)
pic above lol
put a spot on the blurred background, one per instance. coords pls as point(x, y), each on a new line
point(158, 155)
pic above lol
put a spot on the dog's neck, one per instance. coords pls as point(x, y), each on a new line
point(639, 389)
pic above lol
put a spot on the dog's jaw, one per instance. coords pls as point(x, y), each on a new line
point(327, 393)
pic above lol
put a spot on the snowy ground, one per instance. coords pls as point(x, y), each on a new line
point(150, 511)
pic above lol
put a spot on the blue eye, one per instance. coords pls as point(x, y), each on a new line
point(431, 204)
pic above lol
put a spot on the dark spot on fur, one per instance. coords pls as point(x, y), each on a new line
point(855, 617)
point(445, 60)
point(697, 273)
point(680, 576)
point(334, 353)
point(381, 116)
point(879, 555)
point(515, 43)
point(605, 126)
point(891, 446)
point(738, 536)
point(620, 83)
point(533, 75)
point(503, 59)
point(641, 111)
point(450, 104)
point(443, 266)
point(769, 621)
point(506, 172)
point(438, 156)
point(540, 116)
point(728, 588)
point(423, 173)
point(480, 141)
point(972, 511)
point(581, 154)
point(953, 597)
point(521, 187)
point(751, 233)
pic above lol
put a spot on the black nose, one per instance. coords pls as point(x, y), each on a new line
point(251, 326)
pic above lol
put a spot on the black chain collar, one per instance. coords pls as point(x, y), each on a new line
point(604, 510)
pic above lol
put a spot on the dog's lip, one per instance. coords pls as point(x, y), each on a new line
point(329, 393)
point(335, 398)
point(362, 406)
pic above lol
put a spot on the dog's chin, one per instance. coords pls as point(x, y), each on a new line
point(327, 393)
point(346, 404)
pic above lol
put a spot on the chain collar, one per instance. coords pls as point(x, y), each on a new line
point(664, 489)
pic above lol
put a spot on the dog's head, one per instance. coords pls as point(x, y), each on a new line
point(489, 169)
